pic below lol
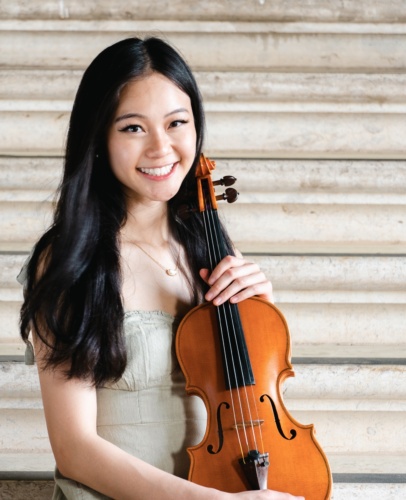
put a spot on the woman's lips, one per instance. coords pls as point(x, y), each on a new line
point(159, 172)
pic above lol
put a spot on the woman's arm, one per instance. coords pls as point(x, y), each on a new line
point(71, 410)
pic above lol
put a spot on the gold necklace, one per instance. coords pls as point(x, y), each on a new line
point(170, 271)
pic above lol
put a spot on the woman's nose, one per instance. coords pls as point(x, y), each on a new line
point(159, 144)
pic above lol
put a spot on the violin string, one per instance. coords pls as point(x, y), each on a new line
point(237, 362)
point(212, 258)
point(258, 420)
point(232, 330)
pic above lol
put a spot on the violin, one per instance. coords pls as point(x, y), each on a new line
point(235, 357)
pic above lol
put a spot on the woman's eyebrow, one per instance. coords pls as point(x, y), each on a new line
point(128, 115)
point(179, 110)
point(139, 115)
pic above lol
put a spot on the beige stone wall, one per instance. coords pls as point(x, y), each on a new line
point(305, 105)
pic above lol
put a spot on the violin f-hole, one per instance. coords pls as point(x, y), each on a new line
point(210, 447)
point(277, 421)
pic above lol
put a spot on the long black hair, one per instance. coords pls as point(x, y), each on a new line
point(73, 290)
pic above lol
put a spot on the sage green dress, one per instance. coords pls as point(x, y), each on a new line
point(147, 412)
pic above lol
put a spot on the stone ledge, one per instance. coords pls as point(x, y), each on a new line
point(312, 274)
point(347, 463)
point(277, 10)
point(346, 273)
point(372, 491)
point(197, 27)
point(306, 354)
point(35, 86)
point(22, 489)
point(233, 106)
point(259, 228)
point(258, 180)
point(240, 134)
point(380, 467)
point(306, 47)
point(325, 324)
point(34, 465)
point(324, 382)
point(316, 228)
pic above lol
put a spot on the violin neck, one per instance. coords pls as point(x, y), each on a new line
point(236, 362)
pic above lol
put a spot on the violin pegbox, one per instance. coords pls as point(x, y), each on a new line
point(205, 186)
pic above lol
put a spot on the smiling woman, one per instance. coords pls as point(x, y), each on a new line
point(107, 284)
point(152, 139)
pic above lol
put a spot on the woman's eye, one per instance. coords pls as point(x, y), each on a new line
point(131, 128)
point(177, 123)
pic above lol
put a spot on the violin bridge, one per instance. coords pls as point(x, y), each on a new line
point(249, 423)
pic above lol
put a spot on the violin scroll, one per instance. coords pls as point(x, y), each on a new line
point(205, 186)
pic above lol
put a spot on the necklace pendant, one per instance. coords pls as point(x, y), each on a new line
point(171, 272)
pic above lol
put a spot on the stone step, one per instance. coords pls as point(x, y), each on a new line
point(360, 426)
point(300, 278)
point(353, 182)
point(304, 46)
point(281, 99)
point(237, 129)
point(376, 478)
point(365, 11)
point(13, 349)
point(350, 415)
point(330, 301)
point(287, 227)
point(299, 204)
point(38, 88)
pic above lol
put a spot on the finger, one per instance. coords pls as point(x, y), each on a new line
point(204, 274)
point(237, 275)
point(247, 284)
point(262, 290)
point(241, 290)
point(223, 266)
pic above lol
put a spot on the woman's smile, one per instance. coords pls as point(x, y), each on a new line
point(158, 173)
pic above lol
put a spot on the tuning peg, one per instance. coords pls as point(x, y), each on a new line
point(227, 180)
point(230, 195)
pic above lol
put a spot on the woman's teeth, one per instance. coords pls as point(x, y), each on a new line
point(157, 171)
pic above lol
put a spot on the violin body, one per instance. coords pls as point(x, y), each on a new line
point(296, 464)
point(236, 357)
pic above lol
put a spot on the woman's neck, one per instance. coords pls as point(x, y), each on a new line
point(147, 223)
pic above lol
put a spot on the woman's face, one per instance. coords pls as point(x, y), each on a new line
point(152, 140)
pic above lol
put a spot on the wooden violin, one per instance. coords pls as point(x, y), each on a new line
point(236, 357)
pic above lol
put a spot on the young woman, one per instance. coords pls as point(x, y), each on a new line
point(107, 284)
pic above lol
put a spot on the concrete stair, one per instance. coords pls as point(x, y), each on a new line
point(305, 106)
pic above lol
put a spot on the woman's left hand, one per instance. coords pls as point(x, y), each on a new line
point(236, 279)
